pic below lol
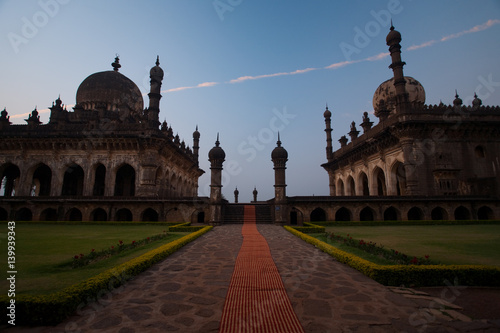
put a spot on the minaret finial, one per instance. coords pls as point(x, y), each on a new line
point(116, 64)
point(217, 143)
point(157, 60)
point(279, 141)
point(392, 25)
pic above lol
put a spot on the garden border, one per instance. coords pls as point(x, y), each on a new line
point(53, 308)
point(410, 275)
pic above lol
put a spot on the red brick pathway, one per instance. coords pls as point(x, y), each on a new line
point(257, 300)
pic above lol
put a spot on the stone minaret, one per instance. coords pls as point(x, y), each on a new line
point(156, 75)
point(392, 40)
point(328, 122)
point(196, 144)
point(255, 192)
point(279, 156)
point(216, 156)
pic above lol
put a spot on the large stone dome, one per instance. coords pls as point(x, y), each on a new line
point(112, 91)
point(387, 92)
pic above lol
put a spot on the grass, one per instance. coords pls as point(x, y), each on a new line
point(454, 244)
point(44, 252)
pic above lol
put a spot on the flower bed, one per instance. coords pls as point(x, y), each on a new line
point(53, 308)
point(410, 275)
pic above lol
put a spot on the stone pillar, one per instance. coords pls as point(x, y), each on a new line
point(279, 156)
point(216, 156)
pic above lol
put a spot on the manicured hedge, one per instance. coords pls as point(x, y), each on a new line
point(411, 275)
point(390, 223)
point(310, 229)
point(53, 308)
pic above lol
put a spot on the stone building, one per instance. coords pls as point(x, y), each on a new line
point(108, 159)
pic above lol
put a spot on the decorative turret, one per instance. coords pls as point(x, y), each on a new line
point(33, 118)
point(476, 102)
point(196, 144)
point(457, 102)
point(236, 193)
point(393, 40)
point(156, 75)
point(4, 118)
point(216, 156)
point(366, 124)
point(328, 124)
point(255, 192)
point(354, 132)
point(279, 156)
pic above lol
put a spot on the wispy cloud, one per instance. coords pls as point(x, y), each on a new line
point(257, 77)
point(201, 85)
point(26, 114)
point(488, 24)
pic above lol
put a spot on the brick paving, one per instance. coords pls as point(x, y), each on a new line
point(186, 293)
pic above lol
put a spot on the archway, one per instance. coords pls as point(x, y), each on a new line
point(150, 215)
point(415, 214)
point(40, 183)
point(99, 215)
point(318, 215)
point(439, 213)
point(380, 183)
point(73, 180)
point(391, 214)
point(351, 189)
point(485, 213)
point(366, 214)
point(462, 213)
point(9, 180)
point(343, 214)
point(123, 215)
point(4, 215)
point(23, 214)
point(200, 217)
point(49, 214)
point(398, 175)
point(293, 217)
point(74, 214)
point(125, 181)
point(340, 187)
point(99, 181)
point(363, 180)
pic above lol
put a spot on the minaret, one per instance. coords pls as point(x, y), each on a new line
point(196, 144)
point(279, 156)
point(216, 156)
point(392, 40)
point(328, 122)
point(236, 193)
point(156, 75)
point(255, 192)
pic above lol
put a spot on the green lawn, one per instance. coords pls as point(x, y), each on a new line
point(44, 252)
point(454, 244)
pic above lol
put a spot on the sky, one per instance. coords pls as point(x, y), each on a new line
point(248, 69)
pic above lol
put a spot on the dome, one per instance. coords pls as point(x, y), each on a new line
point(216, 153)
point(279, 152)
point(387, 92)
point(327, 113)
point(156, 70)
point(111, 90)
point(393, 35)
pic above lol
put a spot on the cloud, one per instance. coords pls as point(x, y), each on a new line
point(257, 77)
point(341, 64)
point(426, 44)
point(201, 85)
point(377, 57)
point(477, 28)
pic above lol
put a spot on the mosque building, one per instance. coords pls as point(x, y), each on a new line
point(110, 159)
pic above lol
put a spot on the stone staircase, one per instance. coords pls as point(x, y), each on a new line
point(233, 214)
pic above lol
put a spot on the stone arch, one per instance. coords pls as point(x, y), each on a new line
point(318, 214)
point(23, 214)
point(343, 214)
point(479, 152)
point(49, 214)
point(398, 179)
point(485, 213)
point(200, 217)
point(99, 215)
point(125, 181)
point(350, 186)
point(41, 181)
point(462, 213)
point(124, 214)
point(73, 180)
point(415, 214)
point(364, 187)
point(99, 180)
point(340, 187)
point(379, 182)
point(149, 215)
point(296, 216)
point(439, 213)
point(4, 215)
point(391, 214)
point(74, 214)
point(9, 179)
point(367, 214)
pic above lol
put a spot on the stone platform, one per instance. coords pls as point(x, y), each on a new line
point(186, 293)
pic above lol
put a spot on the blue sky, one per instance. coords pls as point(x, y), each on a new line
point(248, 68)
